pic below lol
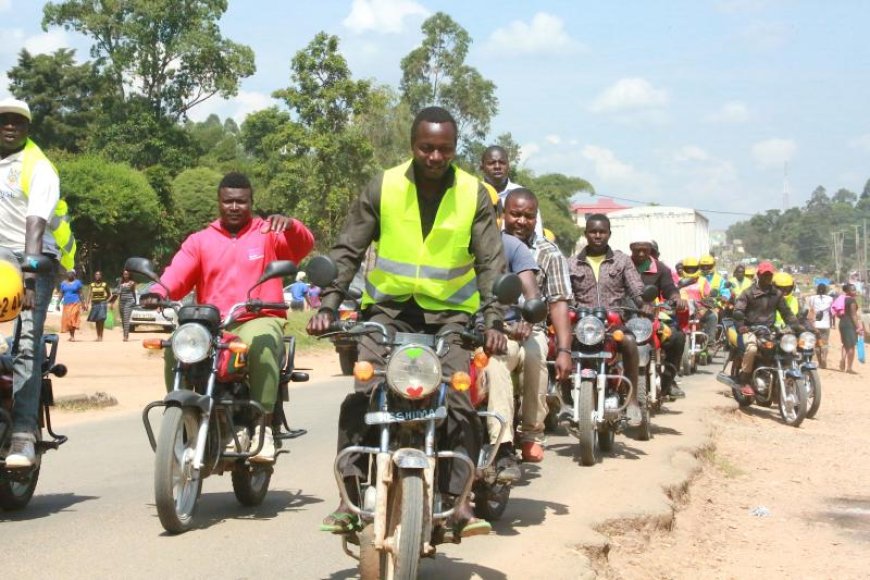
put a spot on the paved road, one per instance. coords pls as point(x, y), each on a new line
point(93, 516)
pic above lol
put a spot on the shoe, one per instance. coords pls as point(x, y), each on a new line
point(341, 521)
point(463, 524)
point(507, 467)
point(533, 452)
point(22, 452)
point(244, 441)
point(634, 414)
point(676, 392)
point(267, 453)
point(747, 391)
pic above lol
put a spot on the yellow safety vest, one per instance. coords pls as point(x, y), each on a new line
point(59, 223)
point(793, 305)
point(437, 272)
point(740, 287)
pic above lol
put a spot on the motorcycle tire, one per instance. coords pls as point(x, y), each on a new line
point(490, 500)
point(741, 399)
point(404, 526)
point(551, 421)
point(606, 437)
point(15, 495)
point(369, 558)
point(250, 483)
point(794, 413)
point(175, 495)
point(703, 359)
point(586, 428)
point(347, 358)
point(814, 392)
point(643, 431)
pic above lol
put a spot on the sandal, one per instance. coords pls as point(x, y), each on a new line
point(339, 522)
point(474, 527)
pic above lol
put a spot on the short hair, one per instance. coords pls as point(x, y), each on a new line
point(236, 180)
point(848, 287)
point(822, 288)
point(492, 149)
point(521, 193)
point(433, 115)
point(598, 217)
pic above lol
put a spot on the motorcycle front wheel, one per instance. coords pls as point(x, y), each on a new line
point(644, 432)
point(814, 392)
point(15, 495)
point(793, 403)
point(586, 431)
point(404, 526)
point(175, 490)
point(250, 483)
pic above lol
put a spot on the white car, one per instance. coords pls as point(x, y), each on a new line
point(166, 318)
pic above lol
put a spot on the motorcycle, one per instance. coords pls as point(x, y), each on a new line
point(778, 377)
point(599, 390)
point(17, 486)
point(813, 382)
point(402, 517)
point(208, 416)
point(345, 347)
point(697, 351)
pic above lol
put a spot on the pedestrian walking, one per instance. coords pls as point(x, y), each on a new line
point(71, 292)
point(97, 305)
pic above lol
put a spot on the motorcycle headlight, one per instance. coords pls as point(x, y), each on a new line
point(413, 371)
point(641, 328)
point(191, 343)
point(788, 343)
point(807, 341)
point(589, 331)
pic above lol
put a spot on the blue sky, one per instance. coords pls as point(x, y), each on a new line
point(689, 103)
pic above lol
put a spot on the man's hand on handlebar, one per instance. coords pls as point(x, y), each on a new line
point(150, 301)
point(319, 323)
point(495, 342)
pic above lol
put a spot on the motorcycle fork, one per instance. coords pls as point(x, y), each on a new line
point(578, 379)
point(601, 389)
point(204, 420)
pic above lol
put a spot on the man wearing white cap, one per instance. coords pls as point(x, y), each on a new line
point(654, 273)
point(30, 223)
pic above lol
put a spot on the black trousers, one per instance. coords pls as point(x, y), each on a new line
point(460, 432)
point(673, 350)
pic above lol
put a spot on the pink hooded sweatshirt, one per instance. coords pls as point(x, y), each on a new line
point(222, 267)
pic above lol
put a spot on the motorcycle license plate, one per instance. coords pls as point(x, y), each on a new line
point(410, 415)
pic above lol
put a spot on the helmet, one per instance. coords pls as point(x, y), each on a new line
point(783, 280)
point(690, 262)
point(707, 260)
point(549, 235)
point(11, 291)
point(749, 271)
point(690, 267)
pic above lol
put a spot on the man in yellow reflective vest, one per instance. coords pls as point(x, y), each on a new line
point(439, 251)
point(33, 221)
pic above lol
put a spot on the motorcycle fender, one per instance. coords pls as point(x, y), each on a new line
point(409, 458)
point(809, 366)
point(185, 398)
point(643, 355)
point(794, 373)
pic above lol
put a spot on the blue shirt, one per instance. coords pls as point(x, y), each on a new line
point(71, 292)
point(298, 290)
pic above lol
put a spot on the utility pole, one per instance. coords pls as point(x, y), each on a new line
point(837, 248)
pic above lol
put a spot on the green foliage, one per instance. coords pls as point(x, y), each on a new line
point(554, 192)
point(435, 73)
point(218, 144)
point(115, 211)
point(386, 126)
point(472, 153)
point(170, 52)
point(194, 199)
point(63, 97)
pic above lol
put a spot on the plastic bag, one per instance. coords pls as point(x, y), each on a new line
point(109, 324)
point(859, 349)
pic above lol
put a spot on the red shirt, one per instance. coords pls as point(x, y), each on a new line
point(222, 266)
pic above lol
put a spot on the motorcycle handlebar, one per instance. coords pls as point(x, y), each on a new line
point(474, 338)
point(257, 304)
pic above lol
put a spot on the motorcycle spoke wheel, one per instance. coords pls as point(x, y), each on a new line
point(793, 405)
point(404, 527)
point(176, 491)
point(813, 385)
point(586, 428)
point(644, 432)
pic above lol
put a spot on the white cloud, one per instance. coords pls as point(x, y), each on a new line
point(545, 34)
point(553, 139)
point(12, 40)
point(47, 42)
point(731, 112)
point(245, 103)
point(690, 153)
point(629, 94)
point(614, 175)
point(386, 16)
point(774, 152)
point(527, 151)
point(606, 165)
point(765, 35)
point(861, 142)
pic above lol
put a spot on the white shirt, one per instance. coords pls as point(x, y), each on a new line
point(502, 195)
point(822, 303)
point(15, 207)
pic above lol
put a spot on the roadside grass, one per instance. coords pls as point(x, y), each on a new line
point(98, 400)
point(296, 322)
point(708, 455)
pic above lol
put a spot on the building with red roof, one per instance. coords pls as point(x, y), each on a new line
point(603, 205)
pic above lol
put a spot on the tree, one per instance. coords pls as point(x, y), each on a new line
point(218, 144)
point(194, 198)
point(386, 126)
point(554, 192)
point(63, 97)
point(170, 52)
point(819, 200)
point(473, 150)
point(435, 73)
point(845, 196)
point(115, 212)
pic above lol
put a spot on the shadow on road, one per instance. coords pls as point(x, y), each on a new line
point(214, 508)
point(850, 513)
point(45, 505)
point(442, 568)
point(524, 513)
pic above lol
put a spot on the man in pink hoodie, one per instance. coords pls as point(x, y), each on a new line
point(221, 262)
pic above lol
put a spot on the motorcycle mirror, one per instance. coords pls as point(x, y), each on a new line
point(738, 316)
point(507, 288)
point(321, 271)
point(534, 310)
point(276, 269)
point(37, 264)
point(650, 293)
point(714, 293)
point(142, 266)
